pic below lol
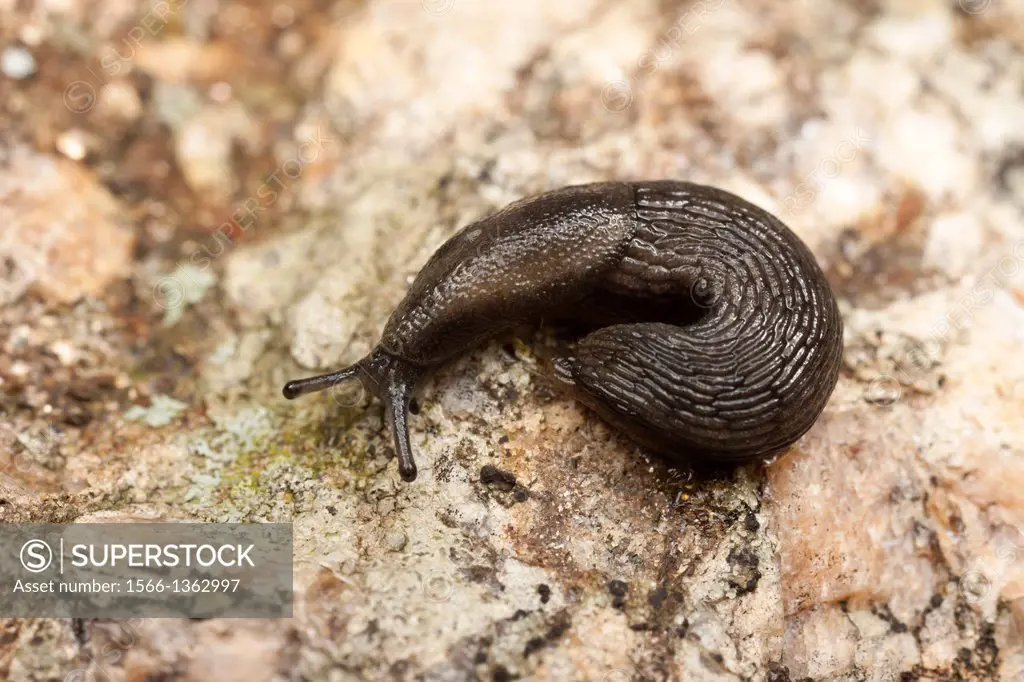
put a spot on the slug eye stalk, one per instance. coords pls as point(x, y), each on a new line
point(387, 377)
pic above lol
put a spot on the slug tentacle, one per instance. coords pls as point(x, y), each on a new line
point(293, 389)
point(396, 411)
point(392, 380)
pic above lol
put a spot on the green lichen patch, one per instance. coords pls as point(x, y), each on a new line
point(261, 464)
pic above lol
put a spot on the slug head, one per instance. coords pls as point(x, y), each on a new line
point(386, 376)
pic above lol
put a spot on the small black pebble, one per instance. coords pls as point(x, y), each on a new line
point(502, 440)
point(414, 407)
point(520, 493)
point(501, 674)
point(751, 522)
point(618, 588)
point(533, 645)
point(657, 597)
point(777, 673)
point(639, 627)
point(492, 475)
point(545, 593)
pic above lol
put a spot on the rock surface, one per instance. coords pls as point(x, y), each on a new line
point(287, 178)
point(59, 229)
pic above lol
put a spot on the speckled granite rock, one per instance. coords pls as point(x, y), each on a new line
point(59, 229)
point(887, 544)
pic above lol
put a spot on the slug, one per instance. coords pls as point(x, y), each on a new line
point(711, 330)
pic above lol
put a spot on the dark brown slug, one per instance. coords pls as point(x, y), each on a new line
point(712, 331)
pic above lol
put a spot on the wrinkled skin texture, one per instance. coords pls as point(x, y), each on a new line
point(713, 333)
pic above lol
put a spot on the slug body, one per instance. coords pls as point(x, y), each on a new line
point(713, 332)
